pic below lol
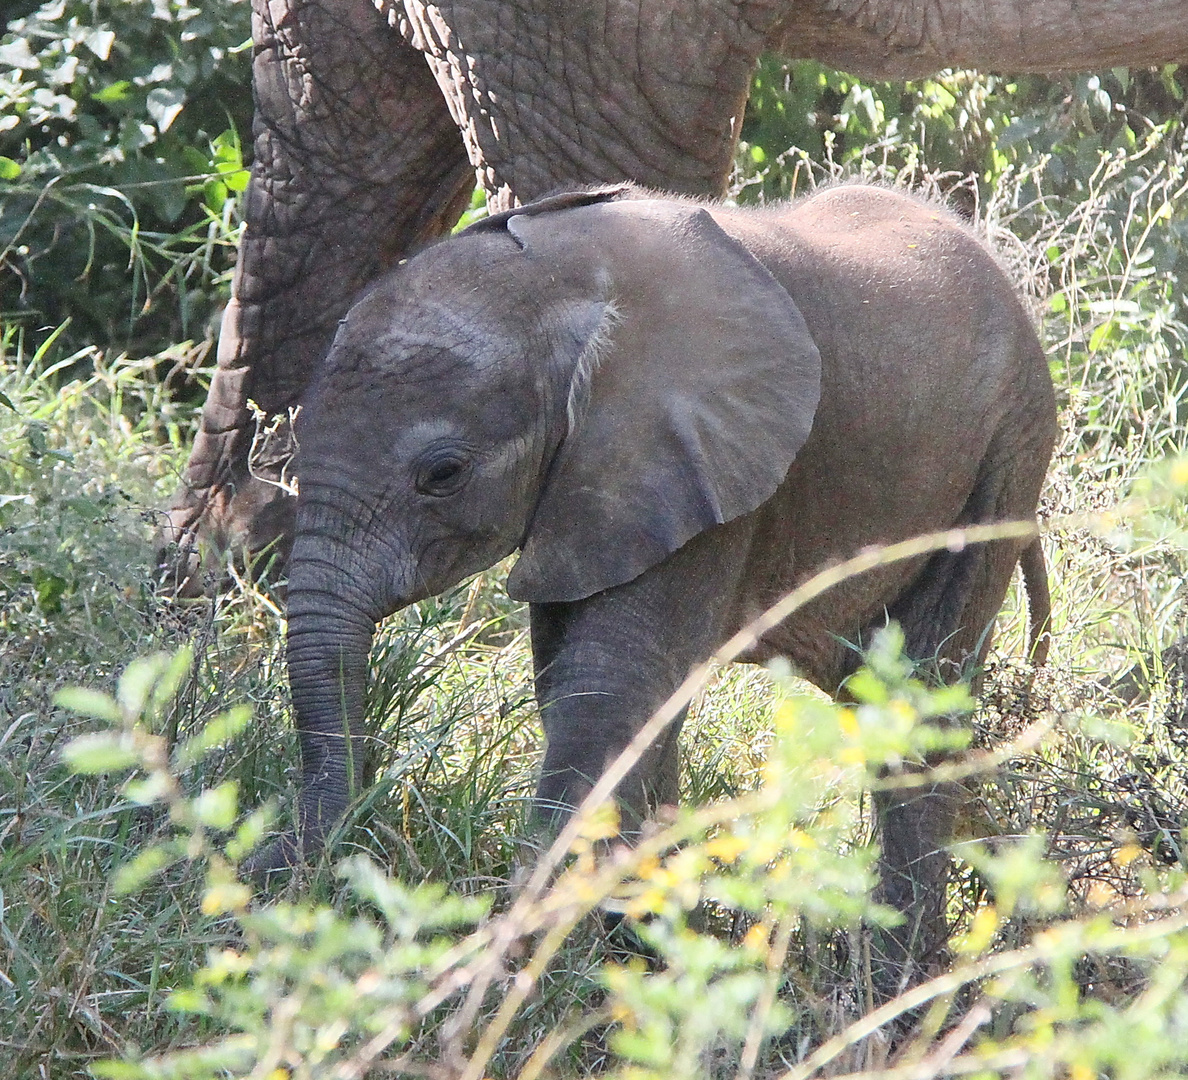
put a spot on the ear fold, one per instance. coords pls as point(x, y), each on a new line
point(688, 406)
point(564, 200)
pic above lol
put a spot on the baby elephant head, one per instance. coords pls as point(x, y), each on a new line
point(593, 379)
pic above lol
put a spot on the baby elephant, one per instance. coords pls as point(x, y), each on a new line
point(677, 413)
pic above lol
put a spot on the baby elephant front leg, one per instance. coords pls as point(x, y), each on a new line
point(593, 701)
point(605, 664)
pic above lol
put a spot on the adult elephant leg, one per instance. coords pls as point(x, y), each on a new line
point(356, 162)
point(549, 93)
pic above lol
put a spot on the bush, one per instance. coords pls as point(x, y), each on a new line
point(749, 955)
point(736, 900)
point(122, 132)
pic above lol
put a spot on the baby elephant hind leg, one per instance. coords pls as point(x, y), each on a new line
point(947, 620)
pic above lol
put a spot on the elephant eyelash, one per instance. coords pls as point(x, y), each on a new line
point(443, 473)
point(587, 363)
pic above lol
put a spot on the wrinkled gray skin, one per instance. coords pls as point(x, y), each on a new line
point(363, 151)
point(677, 414)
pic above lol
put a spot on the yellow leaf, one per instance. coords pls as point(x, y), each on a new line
point(649, 902)
point(1100, 894)
point(901, 710)
point(798, 838)
point(1126, 854)
point(981, 931)
point(648, 866)
point(727, 848)
point(787, 718)
point(847, 720)
point(227, 897)
point(603, 823)
point(755, 939)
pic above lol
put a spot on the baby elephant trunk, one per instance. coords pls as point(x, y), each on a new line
point(329, 641)
point(327, 654)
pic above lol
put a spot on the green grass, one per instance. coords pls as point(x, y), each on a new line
point(1097, 759)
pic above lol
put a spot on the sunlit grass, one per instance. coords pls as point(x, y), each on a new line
point(91, 447)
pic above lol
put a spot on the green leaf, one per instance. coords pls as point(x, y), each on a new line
point(137, 681)
point(35, 437)
point(1021, 874)
point(132, 875)
point(1113, 732)
point(99, 752)
point(171, 678)
point(223, 728)
point(1102, 335)
point(250, 832)
point(217, 808)
point(236, 179)
point(150, 790)
point(867, 687)
point(118, 1070)
point(113, 92)
point(188, 1000)
point(214, 196)
point(92, 703)
point(1019, 131)
point(228, 161)
point(49, 590)
point(9, 170)
point(149, 683)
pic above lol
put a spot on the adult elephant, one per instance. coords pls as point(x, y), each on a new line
point(364, 152)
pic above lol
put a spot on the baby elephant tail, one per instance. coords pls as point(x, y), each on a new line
point(1039, 601)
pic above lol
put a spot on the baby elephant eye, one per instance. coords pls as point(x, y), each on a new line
point(443, 474)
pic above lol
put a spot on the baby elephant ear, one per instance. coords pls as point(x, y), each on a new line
point(687, 408)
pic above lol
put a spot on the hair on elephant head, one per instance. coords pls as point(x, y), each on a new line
point(676, 412)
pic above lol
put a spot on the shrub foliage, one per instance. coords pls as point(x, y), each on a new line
point(132, 788)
